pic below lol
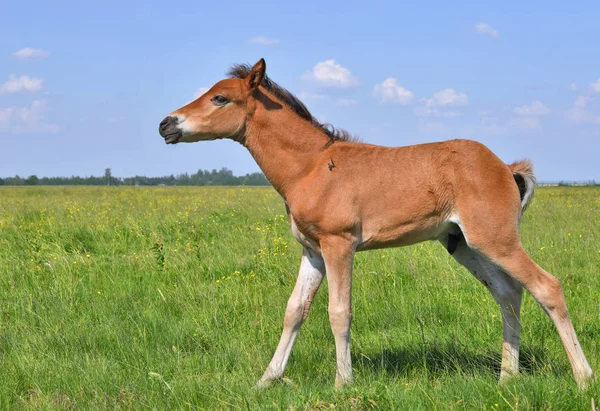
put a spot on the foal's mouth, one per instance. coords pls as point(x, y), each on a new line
point(173, 138)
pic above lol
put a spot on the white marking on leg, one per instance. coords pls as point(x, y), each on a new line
point(507, 292)
point(549, 294)
point(310, 276)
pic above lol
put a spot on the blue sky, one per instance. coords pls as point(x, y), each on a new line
point(84, 84)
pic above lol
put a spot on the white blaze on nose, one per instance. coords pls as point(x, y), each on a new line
point(182, 123)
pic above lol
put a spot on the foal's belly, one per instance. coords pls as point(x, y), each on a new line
point(379, 235)
point(403, 234)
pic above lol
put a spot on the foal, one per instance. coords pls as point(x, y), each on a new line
point(342, 197)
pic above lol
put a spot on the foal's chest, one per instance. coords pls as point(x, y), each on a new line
point(304, 239)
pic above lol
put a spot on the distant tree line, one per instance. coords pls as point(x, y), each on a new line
point(222, 177)
point(574, 183)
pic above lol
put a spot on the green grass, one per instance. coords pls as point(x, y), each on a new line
point(170, 297)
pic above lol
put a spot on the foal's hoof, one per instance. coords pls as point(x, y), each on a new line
point(267, 382)
point(343, 382)
point(584, 384)
point(584, 379)
point(506, 376)
point(264, 383)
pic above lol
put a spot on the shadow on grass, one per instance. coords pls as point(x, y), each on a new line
point(451, 358)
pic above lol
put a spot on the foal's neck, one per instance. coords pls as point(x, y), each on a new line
point(285, 146)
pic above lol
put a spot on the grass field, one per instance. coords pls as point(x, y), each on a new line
point(172, 297)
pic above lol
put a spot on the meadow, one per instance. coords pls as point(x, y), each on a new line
point(173, 298)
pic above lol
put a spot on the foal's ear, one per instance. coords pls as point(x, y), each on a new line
point(256, 75)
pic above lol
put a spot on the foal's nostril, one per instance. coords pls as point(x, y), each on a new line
point(166, 126)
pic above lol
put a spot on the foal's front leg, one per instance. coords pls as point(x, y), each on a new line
point(339, 257)
point(312, 270)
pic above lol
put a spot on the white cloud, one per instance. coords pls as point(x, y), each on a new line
point(446, 98)
point(437, 106)
point(15, 84)
point(5, 116)
point(493, 126)
point(263, 41)
point(391, 92)
point(307, 96)
point(27, 119)
point(30, 53)
point(573, 87)
point(329, 73)
point(596, 86)
point(536, 108)
point(200, 92)
point(486, 30)
point(346, 102)
point(580, 113)
point(581, 101)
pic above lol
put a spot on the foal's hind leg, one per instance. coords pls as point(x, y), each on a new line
point(499, 241)
point(506, 291)
point(548, 292)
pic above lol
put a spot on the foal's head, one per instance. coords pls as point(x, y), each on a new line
point(221, 112)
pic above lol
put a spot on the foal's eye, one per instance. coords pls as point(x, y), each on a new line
point(219, 100)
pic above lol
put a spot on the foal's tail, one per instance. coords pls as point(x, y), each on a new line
point(525, 179)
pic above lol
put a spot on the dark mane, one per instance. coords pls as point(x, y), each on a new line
point(290, 100)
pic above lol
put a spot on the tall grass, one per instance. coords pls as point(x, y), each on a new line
point(174, 298)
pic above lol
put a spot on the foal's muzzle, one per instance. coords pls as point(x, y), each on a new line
point(169, 129)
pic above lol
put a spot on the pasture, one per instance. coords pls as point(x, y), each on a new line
point(168, 297)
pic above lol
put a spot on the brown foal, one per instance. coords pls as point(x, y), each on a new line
point(342, 197)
